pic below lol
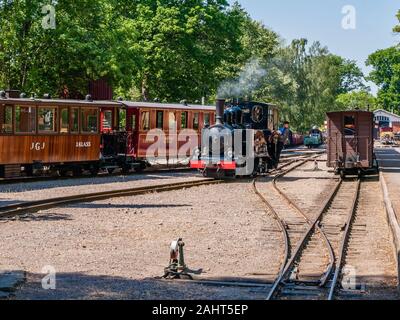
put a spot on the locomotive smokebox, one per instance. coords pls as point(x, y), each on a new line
point(220, 104)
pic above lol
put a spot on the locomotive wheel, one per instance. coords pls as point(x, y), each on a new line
point(342, 174)
point(110, 170)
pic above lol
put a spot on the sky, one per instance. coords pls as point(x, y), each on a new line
point(322, 20)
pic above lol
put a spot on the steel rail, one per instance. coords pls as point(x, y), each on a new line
point(303, 241)
point(344, 241)
point(281, 223)
point(314, 224)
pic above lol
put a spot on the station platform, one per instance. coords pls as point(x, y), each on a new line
point(389, 163)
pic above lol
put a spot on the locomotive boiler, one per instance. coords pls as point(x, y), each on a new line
point(244, 141)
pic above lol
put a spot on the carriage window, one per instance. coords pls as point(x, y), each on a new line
point(89, 120)
point(207, 119)
point(196, 121)
point(349, 126)
point(75, 120)
point(160, 119)
point(172, 121)
point(184, 118)
point(107, 119)
point(46, 119)
point(6, 119)
point(25, 119)
point(64, 120)
point(146, 120)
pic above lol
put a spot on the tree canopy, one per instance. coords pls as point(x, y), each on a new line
point(306, 80)
point(386, 74)
point(171, 50)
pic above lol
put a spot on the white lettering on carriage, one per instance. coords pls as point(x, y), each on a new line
point(38, 146)
point(81, 144)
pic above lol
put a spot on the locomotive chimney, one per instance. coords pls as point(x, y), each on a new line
point(220, 111)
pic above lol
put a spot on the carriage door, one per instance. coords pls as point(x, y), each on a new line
point(350, 137)
point(132, 128)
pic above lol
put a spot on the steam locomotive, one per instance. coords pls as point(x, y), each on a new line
point(244, 141)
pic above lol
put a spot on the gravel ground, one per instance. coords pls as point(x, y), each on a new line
point(126, 241)
point(116, 249)
point(371, 254)
point(18, 192)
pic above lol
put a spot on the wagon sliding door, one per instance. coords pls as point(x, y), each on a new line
point(350, 138)
point(365, 138)
point(357, 138)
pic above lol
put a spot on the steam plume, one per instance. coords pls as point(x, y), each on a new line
point(248, 80)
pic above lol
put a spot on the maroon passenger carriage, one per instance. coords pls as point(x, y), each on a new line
point(63, 136)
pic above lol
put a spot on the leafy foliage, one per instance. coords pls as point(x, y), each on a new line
point(357, 99)
point(170, 50)
point(86, 44)
point(306, 80)
point(386, 74)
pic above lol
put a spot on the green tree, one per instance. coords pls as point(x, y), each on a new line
point(184, 44)
point(397, 28)
point(305, 81)
point(356, 99)
point(87, 43)
point(386, 74)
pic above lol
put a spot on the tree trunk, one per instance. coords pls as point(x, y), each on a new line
point(145, 89)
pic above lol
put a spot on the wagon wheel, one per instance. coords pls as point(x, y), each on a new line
point(94, 171)
point(63, 172)
point(77, 172)
point(125, 170)
point(138, 170)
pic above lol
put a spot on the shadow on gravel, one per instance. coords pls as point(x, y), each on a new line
point(89, 205)
point(7, 202)
point(79, 286)
point(31, 217)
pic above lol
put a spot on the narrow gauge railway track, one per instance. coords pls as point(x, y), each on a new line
point(284, 169)
point(331, 226)
point(34, 206)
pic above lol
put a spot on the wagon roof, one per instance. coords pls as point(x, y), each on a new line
point(27, 101)
point(153, 105)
